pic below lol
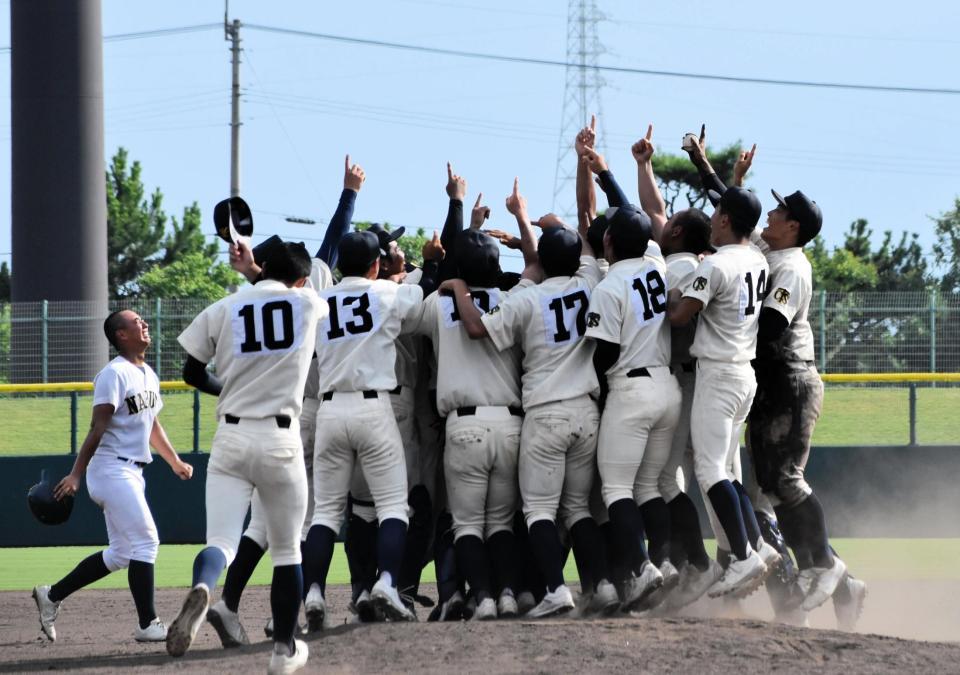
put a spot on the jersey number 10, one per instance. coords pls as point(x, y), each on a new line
point(269, 312)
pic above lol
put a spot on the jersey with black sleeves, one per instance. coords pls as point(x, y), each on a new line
point(629, 308)
point(731, 284)
point(549, 321)
point(471, 372)
point(261, 339)
point(790, 290)
point(134, 393)
point(319, 279)
point(356, 348)
point(680, 269)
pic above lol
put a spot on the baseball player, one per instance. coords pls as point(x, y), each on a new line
point(727, 290)
point(559, 432)
point(223, 615)
point(126, 402)
point(262, 338)
point(355, 422)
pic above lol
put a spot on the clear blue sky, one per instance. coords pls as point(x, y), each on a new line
point(891, 158)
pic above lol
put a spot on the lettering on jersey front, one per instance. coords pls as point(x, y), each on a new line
point(352, 315)
point(565, 316)
point(485, 301)
point(753, 289)
point(650, 299)
point(271, 324)
point(144, 400)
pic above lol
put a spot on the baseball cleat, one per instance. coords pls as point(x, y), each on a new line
point(507, 607)
point(228, 626)
point(741, 577)
point(582, 605)
point(388, 601)
point(605, 600)
point(48, 611)
point(364, 608)
point(825, 583)
point(315, 609)
point(526, 602)
point(671, 577)
point(486, 610)
point(848, 606)
point(558, 601)
point(452, 609)
point(154, 632)
point(769, 555)
point(282, 661)
point(268, 628)
point(694, 583)
point(184, 628)
point(639, 588)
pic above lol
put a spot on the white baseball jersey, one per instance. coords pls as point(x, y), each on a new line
point(262, 337)
point(471, 372)
point(407, 345)
point(731, 284)
point(356, 348)
point(319, 279)
point(629, 308)
point(548, 321)
point(790, 290)
point(134, 393)
point(680, 269)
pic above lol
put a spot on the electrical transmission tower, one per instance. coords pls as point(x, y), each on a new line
point(581, 97)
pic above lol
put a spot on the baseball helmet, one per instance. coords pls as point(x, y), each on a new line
point(233, 219)
point(45, 507)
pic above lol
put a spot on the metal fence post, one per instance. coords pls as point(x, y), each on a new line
point(44, 337)
point(913, 413)
point(823, 330)
point(158, 331)
point(933, 330)
point(196, 420)
point(73, 422)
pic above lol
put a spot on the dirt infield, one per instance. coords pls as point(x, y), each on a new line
point(95, 634)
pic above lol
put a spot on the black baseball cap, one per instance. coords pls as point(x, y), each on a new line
point(358, 250)
point(740, 204)
point(384, 236)
point(232, 218)
point(477, 258)
point(263, 250)
point(630, 230)
point(559, 250)
point(803, 210)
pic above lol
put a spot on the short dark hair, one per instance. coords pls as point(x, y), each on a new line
point(287, 263)
point(696, 230)
point(111, 325)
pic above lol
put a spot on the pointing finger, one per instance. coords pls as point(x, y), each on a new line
point(703, 133)
point(516, 185)
point(449, 171)
point(649, 132)
point(346, 163)
point(593, 122)
point(753, 150)
point(479, 198)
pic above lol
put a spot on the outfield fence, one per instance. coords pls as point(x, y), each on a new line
point(877, 332)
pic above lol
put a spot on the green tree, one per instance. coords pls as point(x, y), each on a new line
point(4, 282)
point(192, 275)
point(677, 176)
point(946, 251)
point(187, 238)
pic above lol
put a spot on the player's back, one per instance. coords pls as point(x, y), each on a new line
point(261, 339)
point(680, 272)
point(731, 283)
point(791, 289)
point(356, 348)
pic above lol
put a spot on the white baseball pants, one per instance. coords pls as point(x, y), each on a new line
point(117, 487)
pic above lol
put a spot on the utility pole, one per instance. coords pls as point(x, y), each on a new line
point(581, 97)
point(231, 32)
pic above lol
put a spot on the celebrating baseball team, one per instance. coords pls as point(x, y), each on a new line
point(490, 422)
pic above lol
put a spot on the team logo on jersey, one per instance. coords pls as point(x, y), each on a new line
point(781, 295)
point(494, 310)
point(593, 320)
point(144, 400)
point(699, 283)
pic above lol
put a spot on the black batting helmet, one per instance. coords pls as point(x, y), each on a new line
point(45, 507)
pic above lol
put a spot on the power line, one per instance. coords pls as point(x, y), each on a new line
point(159, 32)
point(610, 69)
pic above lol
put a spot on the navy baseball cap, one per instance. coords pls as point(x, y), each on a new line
point(559, 251)
point(233, 219)
point(384, 236)
point(263, 250)
point(477, 258)
point(359, 249)
point(803, 210)
point(630, 230)
point(740, 204)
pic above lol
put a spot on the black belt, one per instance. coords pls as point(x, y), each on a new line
point(139, 464)
point(639, 372)
point(370, 393)
point(467, 410)
point(688, 367)
point(283, 421)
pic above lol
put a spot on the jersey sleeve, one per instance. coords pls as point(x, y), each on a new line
point(605, 318)
point(504, 323)
point(320, 275)
point(106, 388)
point(786, 293)
point(410, 307)
point(589, 271)
point(706, 283)
point(199, 339)
point(426, 323)
point(680, 273)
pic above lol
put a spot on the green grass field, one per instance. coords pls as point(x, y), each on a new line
point(851, 416)
point(873, 559)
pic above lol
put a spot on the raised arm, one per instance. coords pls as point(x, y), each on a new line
point(456, 191)
point(469, 314)
point(433, 255)
point(517, 205)
point(651, 201)
point(743, 164)
point(698, 155)
point(353, 178)
point(586, 194)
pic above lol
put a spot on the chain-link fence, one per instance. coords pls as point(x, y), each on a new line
point(853, 332)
